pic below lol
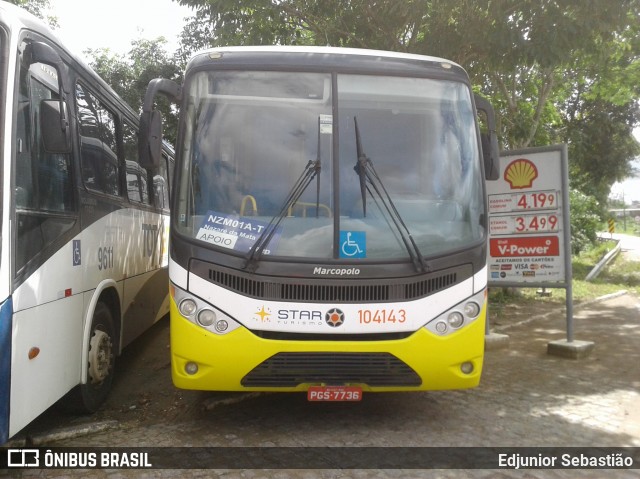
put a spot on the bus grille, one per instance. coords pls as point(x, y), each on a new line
point(292, 369)
point(277, 289)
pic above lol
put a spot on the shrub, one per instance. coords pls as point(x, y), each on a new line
point(584, 220)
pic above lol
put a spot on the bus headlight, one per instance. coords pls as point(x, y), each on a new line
point(206, 317)
point(441, 327)
point(455, 319)
point(201, 313)
point(458, 317)
point(188, 307)
point(467, 367)
point(191, 368)
point(222, 326)
point(471, 309)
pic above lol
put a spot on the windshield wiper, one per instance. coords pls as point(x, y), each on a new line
point(311, 171)
point(371, 182)
point(361, 168)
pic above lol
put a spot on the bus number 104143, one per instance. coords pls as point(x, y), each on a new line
point(381, 316)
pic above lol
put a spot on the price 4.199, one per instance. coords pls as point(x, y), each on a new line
point(538, 200)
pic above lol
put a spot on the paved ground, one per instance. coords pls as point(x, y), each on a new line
point(630, 245)
point(599, 395)
point(526, 398)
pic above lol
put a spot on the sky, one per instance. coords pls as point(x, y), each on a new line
point(113, 24)
point(629, 189)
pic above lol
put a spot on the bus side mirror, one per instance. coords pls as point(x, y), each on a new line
point(53, 125)
point(489, 140)
point(150, 136)
point(150, 139)
point(491, 155)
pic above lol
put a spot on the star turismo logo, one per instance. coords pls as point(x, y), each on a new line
point(334, 317)
point(263, 314)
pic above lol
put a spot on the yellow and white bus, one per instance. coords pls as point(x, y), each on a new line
point(84, 229)
point(329, 221)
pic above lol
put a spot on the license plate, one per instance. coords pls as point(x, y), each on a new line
point(334, 393)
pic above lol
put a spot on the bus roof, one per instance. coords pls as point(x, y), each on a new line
point(315, 55)
point(17, 18)
point(24, 18)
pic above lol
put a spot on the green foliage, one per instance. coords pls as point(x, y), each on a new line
point(620, 274)
point(585, 222)
point(129, 76)
point(38, 8)
point(590, 256)
point(556, 71)
point(601, 145)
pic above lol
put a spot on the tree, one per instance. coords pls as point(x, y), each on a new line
point(130, 74)
point(585, 221)
point(600, 112)
point(555, 70)
point(601, 145)
point(39, 8)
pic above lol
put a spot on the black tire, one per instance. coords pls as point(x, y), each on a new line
point(87, 398)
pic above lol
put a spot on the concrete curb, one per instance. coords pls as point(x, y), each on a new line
point(88, 428)
point(212, 403)
point(70, 432)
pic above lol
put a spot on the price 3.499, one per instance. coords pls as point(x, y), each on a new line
point(536, 223)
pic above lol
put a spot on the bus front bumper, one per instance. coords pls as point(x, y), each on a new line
point(202, 360)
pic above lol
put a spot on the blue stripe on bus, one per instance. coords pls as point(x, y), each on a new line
point(6, 310)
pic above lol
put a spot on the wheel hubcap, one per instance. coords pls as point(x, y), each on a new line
point(99, 357)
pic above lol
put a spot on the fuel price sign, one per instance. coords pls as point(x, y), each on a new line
point(527, 215)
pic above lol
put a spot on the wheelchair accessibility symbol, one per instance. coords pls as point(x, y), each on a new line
point(77, 256)
point(353, 244)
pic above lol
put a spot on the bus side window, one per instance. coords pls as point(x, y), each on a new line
point(24, 183)
point(43, 180)
point(137, 177)
point(44, 197)
point(161, 184)
point(97, 143)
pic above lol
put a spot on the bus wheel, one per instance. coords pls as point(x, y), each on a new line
point(100, 361)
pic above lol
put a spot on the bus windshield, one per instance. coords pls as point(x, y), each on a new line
point(382, 168)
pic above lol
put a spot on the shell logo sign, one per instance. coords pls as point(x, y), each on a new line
point(529, 242)
point(520, 173)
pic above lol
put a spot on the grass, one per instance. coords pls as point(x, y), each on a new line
point(620, 274)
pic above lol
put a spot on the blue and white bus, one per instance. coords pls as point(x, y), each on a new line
point(84, 228)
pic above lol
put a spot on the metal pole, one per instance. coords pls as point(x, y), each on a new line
point(486, 324)
point(566, 220)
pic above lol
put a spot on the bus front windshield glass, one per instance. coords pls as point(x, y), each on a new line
point(259, 165)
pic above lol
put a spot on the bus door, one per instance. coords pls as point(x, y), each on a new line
point(47, 279)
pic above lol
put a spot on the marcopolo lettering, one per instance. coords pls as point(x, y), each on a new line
point(318, 270)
